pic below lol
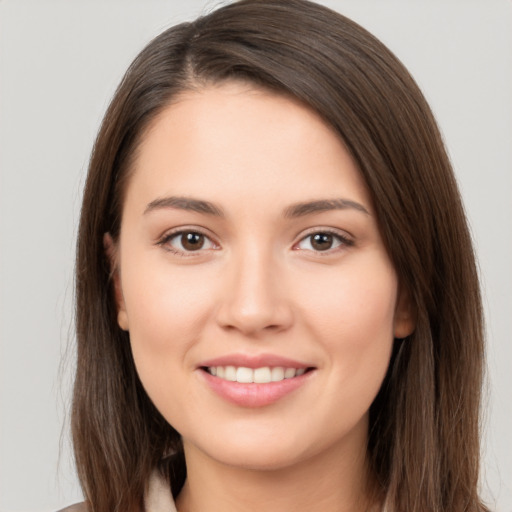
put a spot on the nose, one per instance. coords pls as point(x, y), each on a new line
point(254, 296)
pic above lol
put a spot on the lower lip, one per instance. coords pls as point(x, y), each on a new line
point(254, 395)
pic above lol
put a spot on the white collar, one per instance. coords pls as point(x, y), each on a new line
point(159, 496)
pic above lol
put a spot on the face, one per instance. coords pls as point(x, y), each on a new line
point(252, 278)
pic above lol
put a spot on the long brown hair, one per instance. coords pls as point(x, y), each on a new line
point(424, 424)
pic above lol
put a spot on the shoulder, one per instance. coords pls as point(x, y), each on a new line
point(77, 507)
point(158, 497)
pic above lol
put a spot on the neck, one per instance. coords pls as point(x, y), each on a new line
point(336, 481)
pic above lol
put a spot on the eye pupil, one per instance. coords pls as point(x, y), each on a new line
point(192, 241)
point(321, 241)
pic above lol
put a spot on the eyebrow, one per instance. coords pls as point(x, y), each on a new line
point(292, 211)
point(323, 205)
point(184, 203)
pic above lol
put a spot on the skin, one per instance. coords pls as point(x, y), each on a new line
point(257, 285)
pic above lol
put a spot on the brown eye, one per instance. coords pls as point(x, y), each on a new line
point(191, 241)
point(322, 241)
point(184, 242)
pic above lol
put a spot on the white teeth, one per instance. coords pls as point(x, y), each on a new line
point(230, 373)
point(289, 373)
point(261, 375)
point(244, 375)
point(277, 373)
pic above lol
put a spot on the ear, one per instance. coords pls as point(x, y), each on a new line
point(405, 315)
point(112, 254)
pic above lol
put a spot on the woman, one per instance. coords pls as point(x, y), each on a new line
point(277, 301)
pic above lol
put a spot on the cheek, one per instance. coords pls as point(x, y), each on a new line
point(351, 313)
point(166, 312)
point(360, 297)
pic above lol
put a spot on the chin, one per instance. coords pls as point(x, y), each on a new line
point(261, 450)
point(258, 458)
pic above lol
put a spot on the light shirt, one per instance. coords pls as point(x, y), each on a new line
point(157, 499)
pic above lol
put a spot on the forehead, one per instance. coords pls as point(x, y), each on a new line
point(236, 140)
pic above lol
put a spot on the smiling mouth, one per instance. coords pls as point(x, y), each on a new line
point(262, 375)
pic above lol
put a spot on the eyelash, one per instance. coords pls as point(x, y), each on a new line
point(343, 240)
point(168, 237)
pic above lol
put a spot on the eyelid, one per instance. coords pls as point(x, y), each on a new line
point(346, 239)
point(164, 240)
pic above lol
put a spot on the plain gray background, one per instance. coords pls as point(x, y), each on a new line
point(60, 62)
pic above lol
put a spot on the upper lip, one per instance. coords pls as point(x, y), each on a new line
point(254, 361)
